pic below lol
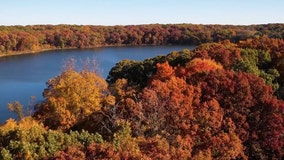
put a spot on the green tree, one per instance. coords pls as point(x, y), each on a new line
point(258, 62)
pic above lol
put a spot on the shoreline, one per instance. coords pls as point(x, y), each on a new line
point(16, 53)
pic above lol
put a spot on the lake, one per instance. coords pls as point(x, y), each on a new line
point(24, 76)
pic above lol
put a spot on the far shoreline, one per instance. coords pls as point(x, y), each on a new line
point(34, 39)
point(16, 53)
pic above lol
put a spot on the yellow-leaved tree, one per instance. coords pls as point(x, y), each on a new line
point(71, 97)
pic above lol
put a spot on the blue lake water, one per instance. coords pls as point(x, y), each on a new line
point(24, 76)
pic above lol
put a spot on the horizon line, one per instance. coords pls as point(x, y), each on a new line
point(74, 24)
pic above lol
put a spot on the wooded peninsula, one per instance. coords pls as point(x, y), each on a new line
point(221, 100)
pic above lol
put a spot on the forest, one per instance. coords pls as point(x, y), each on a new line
point(221, 100)
point(35, 38)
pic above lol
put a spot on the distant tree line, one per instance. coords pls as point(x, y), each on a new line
point(19, 39)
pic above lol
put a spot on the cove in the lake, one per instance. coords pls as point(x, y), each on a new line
point(24, 76)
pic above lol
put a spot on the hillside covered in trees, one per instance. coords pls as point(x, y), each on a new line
point(222, 100)
point(35, 38)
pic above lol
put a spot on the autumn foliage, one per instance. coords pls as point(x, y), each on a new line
point(71, 97)
point(34, 38)
point(220, 101)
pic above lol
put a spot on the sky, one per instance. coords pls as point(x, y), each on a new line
point(129, 12)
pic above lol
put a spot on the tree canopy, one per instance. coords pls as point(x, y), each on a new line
point(222, 100)
point(71, 97)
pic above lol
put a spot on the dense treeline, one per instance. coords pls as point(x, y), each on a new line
point(261, 56)
point(220, 101)
point(19, 39)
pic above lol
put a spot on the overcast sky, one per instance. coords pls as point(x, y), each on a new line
point(124, 12)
